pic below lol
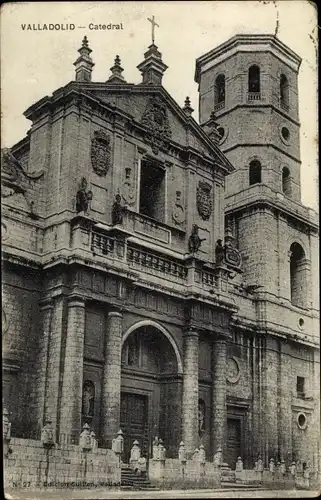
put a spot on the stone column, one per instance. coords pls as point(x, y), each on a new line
point(219, 395)
point(42, 358)
point(53, 364)
point(190, 392)
point(71, 397)
point(110, 405)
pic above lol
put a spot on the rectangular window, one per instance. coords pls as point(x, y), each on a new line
point(300, 382)
point(152, 191)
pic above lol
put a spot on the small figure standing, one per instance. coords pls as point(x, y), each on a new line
point(117, 211)
point(194, 241)
point(219, 252)
point(83, 197)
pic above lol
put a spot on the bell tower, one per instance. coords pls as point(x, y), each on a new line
point(251, 83)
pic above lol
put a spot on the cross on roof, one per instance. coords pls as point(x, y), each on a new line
point(154, 23)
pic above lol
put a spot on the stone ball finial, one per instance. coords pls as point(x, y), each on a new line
point(187, 107)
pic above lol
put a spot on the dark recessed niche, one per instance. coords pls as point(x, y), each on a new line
point(221, 132)
point(285, 133)
point(301, 322)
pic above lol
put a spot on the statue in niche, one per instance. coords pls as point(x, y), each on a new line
point(219, 252)
point(128, 190)
point(117, 211)
point(88, 399)
point(194, 241)
point(83, 197)
point(201, 416)
point(133, 351)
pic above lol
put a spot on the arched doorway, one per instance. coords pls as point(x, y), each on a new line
point(150, 389)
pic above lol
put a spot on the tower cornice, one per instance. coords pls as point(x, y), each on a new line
point(248, 43)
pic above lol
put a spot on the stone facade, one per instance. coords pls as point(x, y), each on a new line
point(119, 311)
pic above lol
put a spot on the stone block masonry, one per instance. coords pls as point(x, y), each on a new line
point(30, 465)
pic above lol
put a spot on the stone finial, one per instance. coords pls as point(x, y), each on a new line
point(218, 457)
point(260, 465)
point(85, 439)
point(211, 128)
point(152, 68)
point(271, 465)
point(47, 434)
point(188, 110)
point(283, 467)
point(118, 443)
point(181, 452)
point(239, 465)
point(293, 469)
point(135, 452)
point(94, 442)
point(202, 454)
point(84, 64)
point(116, 72)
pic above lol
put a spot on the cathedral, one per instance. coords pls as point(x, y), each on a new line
point(160, 272)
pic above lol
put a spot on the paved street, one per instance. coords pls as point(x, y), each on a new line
point(115, 494)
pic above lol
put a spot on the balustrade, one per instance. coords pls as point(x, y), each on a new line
point(153, 262)
point(254, 96)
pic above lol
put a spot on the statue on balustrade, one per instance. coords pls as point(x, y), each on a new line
point(194, 241)
point(83, 197)
point(117, 211)
point(219, 252)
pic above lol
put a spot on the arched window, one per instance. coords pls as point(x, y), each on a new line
point(255, 172)
point(286, 181)
point(219, 92)
point(88, 399)
point(297, 275)
point(284, 92)
point(254, 80)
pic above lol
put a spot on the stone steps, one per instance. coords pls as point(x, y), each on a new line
point(131, 480)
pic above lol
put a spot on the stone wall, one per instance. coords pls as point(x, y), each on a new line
point(31, 465)
point(173, 473)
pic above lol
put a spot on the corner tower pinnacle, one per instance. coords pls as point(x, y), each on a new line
point(84, 64)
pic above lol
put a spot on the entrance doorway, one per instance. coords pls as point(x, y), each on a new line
point(134, 422)
point(150, 391)
point(234, 446)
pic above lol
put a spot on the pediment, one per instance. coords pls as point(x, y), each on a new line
point(165, 122)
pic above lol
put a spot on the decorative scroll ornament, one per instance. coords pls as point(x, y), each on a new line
point(156, 121)
point(178, 211)
point(232, 255)
point(233, 370)
point(100, 152)
point(204, 201)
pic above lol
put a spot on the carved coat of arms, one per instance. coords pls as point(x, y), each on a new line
point(156, 121)
point(204, 200)
point(100, 152)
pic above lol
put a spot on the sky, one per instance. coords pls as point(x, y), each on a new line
point(36, 63)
